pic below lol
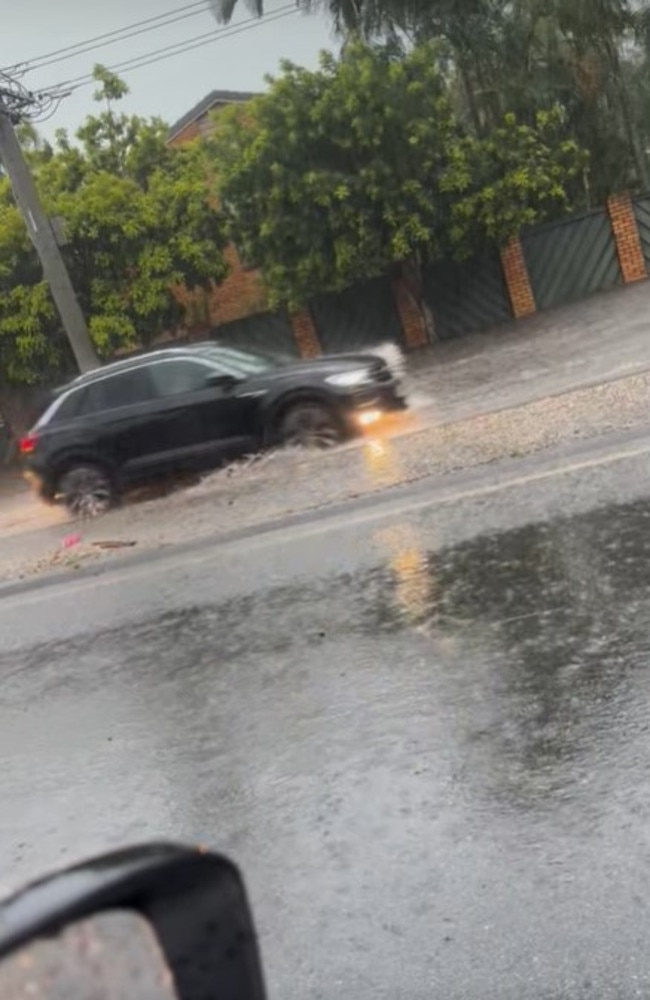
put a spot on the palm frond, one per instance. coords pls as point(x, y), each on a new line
point(223, 10)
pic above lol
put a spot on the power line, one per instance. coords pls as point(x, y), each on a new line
point(18, 103)
point(178, 48)
point(125, 33)
point(48, 110)
point(92, 45)
point(21, 104)
point(97, 41)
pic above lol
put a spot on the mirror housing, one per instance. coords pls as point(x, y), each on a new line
point(226, 382)
point(195, 902)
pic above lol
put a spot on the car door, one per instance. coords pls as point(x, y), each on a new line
point(120, 416)
point(200, 422)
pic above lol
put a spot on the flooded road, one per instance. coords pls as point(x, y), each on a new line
point(431, 760)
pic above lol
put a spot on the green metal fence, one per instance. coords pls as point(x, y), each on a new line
point(360, 317)
point(566, 261)
point(642, 213)
point(262, 332)
point(467, 296)
point(572, 259)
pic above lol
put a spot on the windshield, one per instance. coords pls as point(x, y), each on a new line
point(242, 363)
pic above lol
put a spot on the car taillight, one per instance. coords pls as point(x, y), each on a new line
point(28, 444)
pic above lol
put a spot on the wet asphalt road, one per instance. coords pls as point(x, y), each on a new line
point(425, 735)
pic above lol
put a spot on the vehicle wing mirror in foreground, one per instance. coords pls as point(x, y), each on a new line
point(227, 382)
point(150, 923)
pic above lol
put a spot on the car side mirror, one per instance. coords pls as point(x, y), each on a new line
point(226, 382)
point(173, 921)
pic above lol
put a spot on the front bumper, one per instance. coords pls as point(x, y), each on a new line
point(369, 403)
point(387, 397)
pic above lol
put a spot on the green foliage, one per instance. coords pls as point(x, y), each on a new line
point(512, 178)
point(137, 219)
point(524, 56)
point(111, 87)
point(337, 175)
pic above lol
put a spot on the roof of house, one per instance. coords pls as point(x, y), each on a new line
point(210, 101)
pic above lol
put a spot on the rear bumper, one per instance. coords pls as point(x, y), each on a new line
point(38, 484)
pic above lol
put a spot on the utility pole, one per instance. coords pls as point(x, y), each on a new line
point(45, 243)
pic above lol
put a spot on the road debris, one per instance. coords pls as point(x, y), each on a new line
point(114, 544)
point(70, 541)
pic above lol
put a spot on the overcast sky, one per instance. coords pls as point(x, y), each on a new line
point(172, 86)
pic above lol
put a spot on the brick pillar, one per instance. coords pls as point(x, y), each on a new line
point(518, 284)
point(415, 332)
point(304, 330)
point(626, 235)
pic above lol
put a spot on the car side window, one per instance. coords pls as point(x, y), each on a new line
point(62, 409)
point(121, 389)
point(68, 407)
point(175, 378)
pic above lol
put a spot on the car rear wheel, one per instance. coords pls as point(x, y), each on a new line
point(310, 425)
point(87, 491)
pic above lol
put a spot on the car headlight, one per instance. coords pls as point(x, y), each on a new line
point(348, 379)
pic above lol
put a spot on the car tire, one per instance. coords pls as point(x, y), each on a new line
point(310, 425)
point(88, 491)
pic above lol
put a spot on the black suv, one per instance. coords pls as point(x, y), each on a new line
point(194, 408)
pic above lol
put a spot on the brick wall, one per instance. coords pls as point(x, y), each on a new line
point(304, 330)
point(188, 134)
point(415, 333)
point(240, 294)
point(517, 280)
point(626, 235)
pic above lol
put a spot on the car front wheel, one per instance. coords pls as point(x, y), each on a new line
point(87, 491)
point(310, 425)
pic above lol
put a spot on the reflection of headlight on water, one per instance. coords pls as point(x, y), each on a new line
point(382, 462)
point(415, 585)
point(375, 448)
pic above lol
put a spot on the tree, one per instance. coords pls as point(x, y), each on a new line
point(136, 218)
point(361, 168)
point(591, 56)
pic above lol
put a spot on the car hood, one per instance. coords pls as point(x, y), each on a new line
point(331, 364)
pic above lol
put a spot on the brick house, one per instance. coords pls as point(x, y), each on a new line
point(464, 294)
point(196, 122)
point(242, 294)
